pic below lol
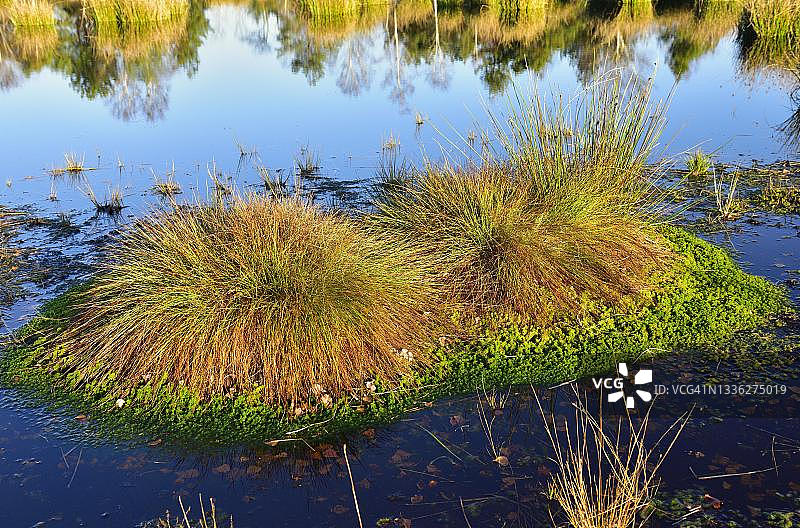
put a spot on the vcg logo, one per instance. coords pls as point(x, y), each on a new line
point(617, 386)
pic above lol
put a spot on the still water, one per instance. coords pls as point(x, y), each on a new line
point(249, 85)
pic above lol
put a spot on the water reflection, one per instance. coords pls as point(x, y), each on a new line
point(132, 72)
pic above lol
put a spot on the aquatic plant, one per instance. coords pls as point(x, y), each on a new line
point(9, 221)
point(703, 281)
point(728, 206)
point(184, 520)
point(780, 197)
point(307, 161)
point(274, 297)
point(166, 187)
point(607, 473)
point(561, 212)
point(698, 163)
point(73, 165)
point(110, 204)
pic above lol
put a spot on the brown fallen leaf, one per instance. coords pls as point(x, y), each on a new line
point(400, 456)
point(224, 468)
point(502, 460)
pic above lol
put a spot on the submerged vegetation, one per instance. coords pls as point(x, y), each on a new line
point(9, 220)
point(537, 257)
point(781, 197)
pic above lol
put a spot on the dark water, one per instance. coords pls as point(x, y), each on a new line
point(261, 77)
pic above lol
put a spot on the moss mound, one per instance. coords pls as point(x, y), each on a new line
point(703, 300)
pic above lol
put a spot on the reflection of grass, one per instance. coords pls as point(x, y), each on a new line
point(776, 58)
point(33, 45)
point(29, 14)
point(136, 28)
point(775, 20)
point(33, 37)
point(331, 21)
point(135, 14)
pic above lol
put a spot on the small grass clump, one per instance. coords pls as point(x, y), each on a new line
point(275, 297)
point(167, 187)
point(111, 204)
point(728, 206)
point(73, 165)
point(699, 163)
point(607, 473)
point(562, 217)
point(307, 161)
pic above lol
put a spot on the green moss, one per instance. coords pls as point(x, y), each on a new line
point(703, 300)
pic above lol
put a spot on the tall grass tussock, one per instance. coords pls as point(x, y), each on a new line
point(558, 212)
point(274, 296)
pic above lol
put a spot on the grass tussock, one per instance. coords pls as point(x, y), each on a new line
point(607, 473)
point(111, 204)
point(272, 296)
point(699, 163)
point(558, 211)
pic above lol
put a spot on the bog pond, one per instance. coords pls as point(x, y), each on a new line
point(246, 88)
